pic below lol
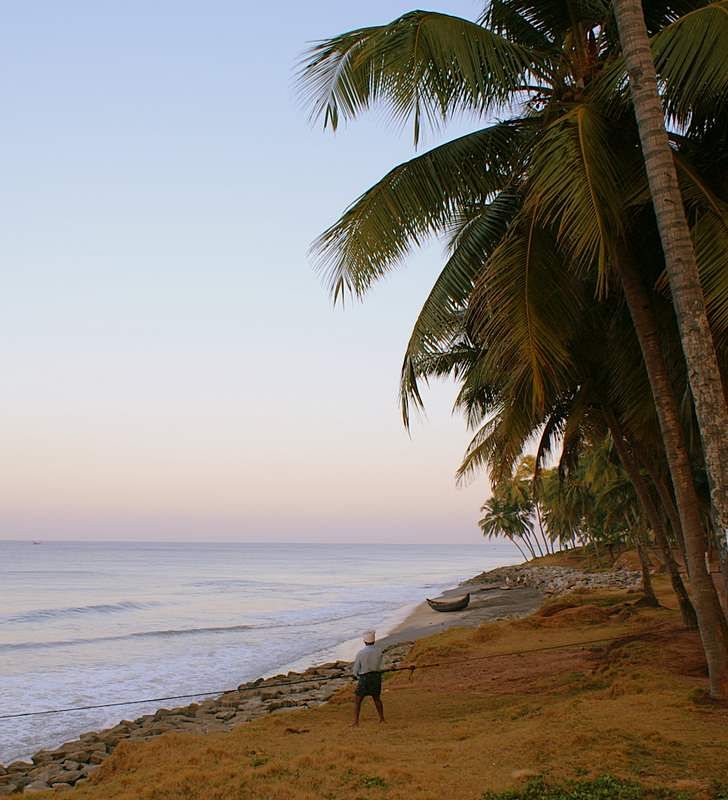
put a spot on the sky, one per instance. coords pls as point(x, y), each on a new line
point(172, 365)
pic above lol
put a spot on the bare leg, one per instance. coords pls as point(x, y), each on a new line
point(379, 707)
point(357, 709)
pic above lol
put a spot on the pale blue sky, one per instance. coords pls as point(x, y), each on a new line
point(171, 364)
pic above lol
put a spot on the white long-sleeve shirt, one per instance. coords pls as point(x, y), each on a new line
point(368, 659)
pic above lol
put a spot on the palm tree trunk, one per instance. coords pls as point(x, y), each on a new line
point(540, 527)
point(724, 572)
point(640, 540)
point(538, 545)
point(597, 554)
point(682, 269)
point(631, 465)
point(520, 550)
point(711, 620)
point(527, 542)
point(668, 503)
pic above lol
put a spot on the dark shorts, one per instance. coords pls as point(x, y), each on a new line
point(369, 685)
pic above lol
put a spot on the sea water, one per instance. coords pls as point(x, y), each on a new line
point(84, 623)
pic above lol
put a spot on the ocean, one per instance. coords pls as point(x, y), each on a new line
point(87, 622)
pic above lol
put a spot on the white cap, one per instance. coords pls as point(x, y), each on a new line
point(368, 637)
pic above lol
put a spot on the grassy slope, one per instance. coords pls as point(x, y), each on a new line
point(459, 730)
point(584, 558)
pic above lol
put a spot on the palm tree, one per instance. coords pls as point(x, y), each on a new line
point(535, 202)
point(508, 520)
point(513, 509)
point(677, 245)
point(525, 475)
point(689, 303)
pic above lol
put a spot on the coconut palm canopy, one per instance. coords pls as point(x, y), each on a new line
point(536, 206)
point(549, 221)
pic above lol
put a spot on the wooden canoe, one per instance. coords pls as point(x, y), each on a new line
point(456, 604)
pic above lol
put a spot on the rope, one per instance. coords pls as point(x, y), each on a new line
point(320, 678)
point(412, 667)
point(261, 685)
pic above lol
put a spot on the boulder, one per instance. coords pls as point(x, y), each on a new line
point(42, 757)
point(46, 774)
point(18, 766)
point(112, 739)
point(122, 727)
point(276, 705)
point(159, 728)
point(309, 686)
point(230, 699)
point(69, 776)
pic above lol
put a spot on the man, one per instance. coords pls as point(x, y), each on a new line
point(367, 671)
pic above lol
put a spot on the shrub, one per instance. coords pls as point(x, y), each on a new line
point(603, 788)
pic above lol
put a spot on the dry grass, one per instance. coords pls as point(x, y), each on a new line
point(585, 558)
point(458, 730)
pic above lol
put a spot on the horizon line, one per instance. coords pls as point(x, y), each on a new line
point(31, 540)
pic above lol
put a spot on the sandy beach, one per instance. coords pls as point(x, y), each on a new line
point(487, 602)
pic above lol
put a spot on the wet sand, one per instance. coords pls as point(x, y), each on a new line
point(487, 603)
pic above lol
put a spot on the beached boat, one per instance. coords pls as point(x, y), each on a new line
point(456, 604)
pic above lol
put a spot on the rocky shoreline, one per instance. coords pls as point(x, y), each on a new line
point(552, 580)
point(73, 763)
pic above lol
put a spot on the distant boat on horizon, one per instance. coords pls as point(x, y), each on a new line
point(35, 542)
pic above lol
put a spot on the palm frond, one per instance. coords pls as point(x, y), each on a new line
point(476, 236)
point(573, 443)
point(498, 444)
point(550, 18)
point(697, 193)
point(661, 13)
point(564, 414)
point(576, 186)
point(423, 65)
point(551, 434)
point(507, 19)
point(627, 386)
point(523, 312)
point(690, 57)
point(480, 392)
point(453, 359)
point(710, 238)
point(417, 199)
